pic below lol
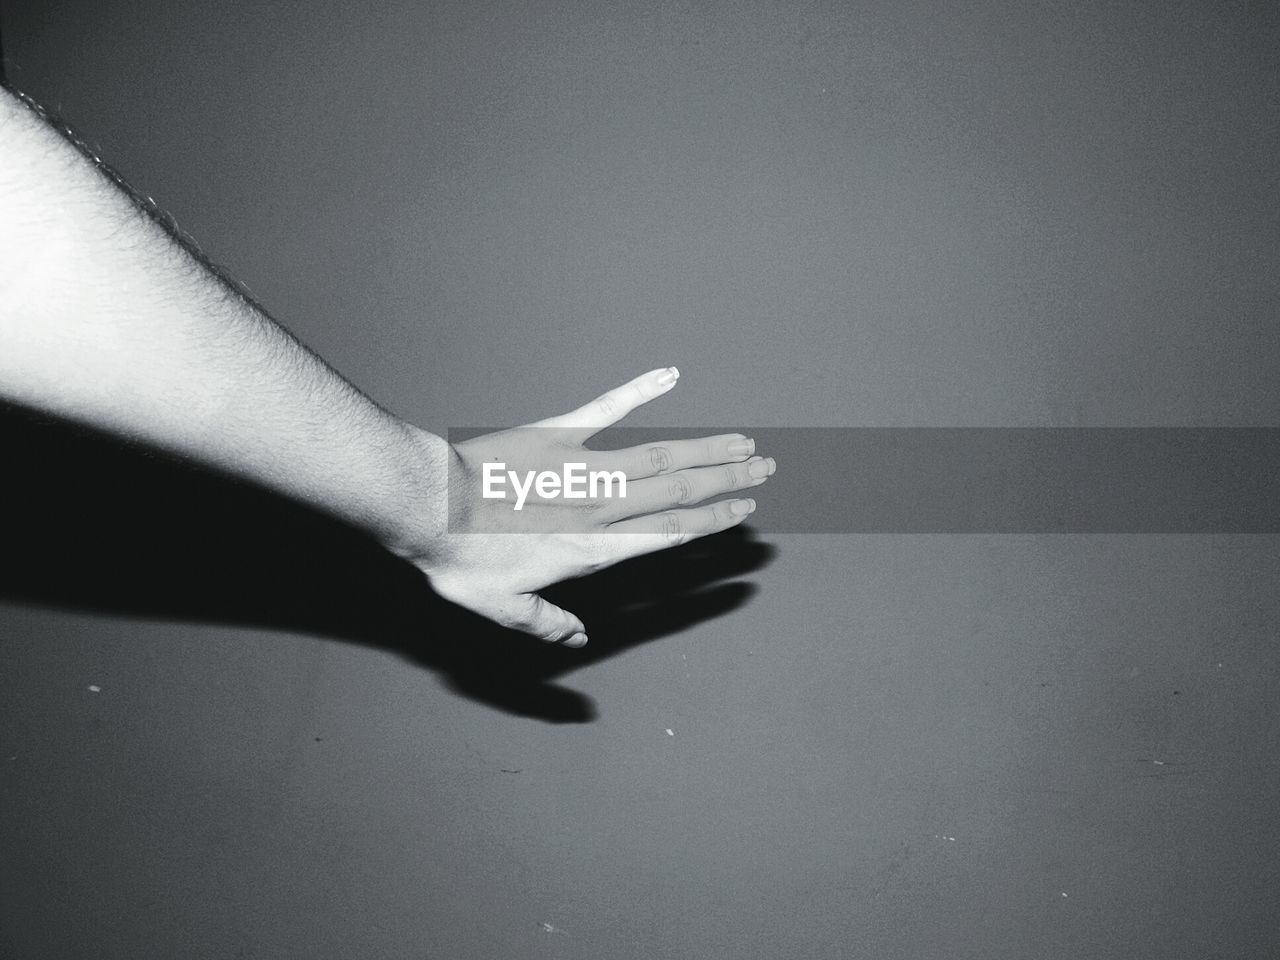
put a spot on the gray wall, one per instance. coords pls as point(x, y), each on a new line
point(988, 214)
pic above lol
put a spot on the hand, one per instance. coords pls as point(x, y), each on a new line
point(493, 558)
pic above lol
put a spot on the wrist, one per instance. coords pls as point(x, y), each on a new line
point(417, 519)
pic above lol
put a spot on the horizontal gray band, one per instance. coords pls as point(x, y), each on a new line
point(1004, 479)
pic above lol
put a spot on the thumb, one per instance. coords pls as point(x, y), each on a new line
point(533, 615)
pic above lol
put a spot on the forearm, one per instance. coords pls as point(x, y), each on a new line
point(106, 319)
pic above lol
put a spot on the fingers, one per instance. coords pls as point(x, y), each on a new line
point(668, 456)
point(657, 531)
point(685, 487)
point(608, 408)
point(533, 615)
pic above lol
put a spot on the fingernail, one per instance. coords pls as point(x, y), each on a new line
point(742, 448)
point(668, 376)
point(741, 508)
point(759, 469)
point(773, 466)
point(577, 640)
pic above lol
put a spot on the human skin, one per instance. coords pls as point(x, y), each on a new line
point(110, 318)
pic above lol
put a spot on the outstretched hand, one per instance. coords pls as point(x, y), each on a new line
point(493, 558)
point(109, 320)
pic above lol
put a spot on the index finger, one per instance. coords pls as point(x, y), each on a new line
point(610, 407)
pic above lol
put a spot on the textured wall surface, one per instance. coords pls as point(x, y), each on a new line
point(227, 730)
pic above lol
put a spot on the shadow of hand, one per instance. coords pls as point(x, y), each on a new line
point(624, 606)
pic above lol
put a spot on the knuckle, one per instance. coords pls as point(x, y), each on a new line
point(672, 529)
point(607, 404)
point(732, 478)
point(680, 490)
point(660, 459)
point(531, 608)
point(593, 553)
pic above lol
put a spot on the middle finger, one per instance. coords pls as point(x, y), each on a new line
point(668, 456)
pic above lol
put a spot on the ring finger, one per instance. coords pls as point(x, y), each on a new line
point(655, 494)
